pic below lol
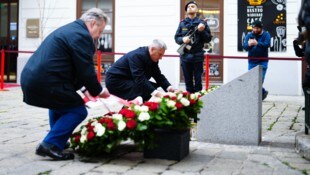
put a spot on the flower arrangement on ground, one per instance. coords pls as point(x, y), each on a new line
point(105, 133)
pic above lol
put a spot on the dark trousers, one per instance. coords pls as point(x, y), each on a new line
point(192, 72)
point(126, 88)
point(62, 123)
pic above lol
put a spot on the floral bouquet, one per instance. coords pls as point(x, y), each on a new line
point(174, 111)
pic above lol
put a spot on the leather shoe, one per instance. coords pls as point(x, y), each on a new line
point(52, 151)
point(67, 145)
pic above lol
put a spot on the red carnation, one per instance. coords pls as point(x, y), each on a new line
point(179, 105)
point(128, 113)
point(186, 94)
point(174, 98)
point(131, 124)
point(90, 135)
point(153, 106)
point(192, 102)
point(77, 138)
point(166, 96)
point(111, 126)
point(90, 128)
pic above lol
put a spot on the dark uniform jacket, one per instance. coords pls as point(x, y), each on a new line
point(61, 65)
point(135, 69)
point(196, 53)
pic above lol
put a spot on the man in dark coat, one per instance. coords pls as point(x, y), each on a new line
point(193, 57)
point(129, 76)
point(62, 65)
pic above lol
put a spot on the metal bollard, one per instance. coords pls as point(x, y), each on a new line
point(307, 111)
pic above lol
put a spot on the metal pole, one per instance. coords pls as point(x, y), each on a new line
point(207, 60)
point(99, 65)
point(2, 70)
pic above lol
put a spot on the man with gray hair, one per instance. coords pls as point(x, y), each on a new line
point(62, 65)
point(129, 76)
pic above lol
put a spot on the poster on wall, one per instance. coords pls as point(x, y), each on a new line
point(272, 13)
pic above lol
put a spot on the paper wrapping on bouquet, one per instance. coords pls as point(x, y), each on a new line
point(112, 104)
point(169, 144)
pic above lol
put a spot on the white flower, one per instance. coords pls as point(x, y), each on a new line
point(171, 94)
point(94, 123)
point(155, 99)
point(144, 108)
point(117, 116)
point(179, 96)
point(144, 116)
point(121, 125)
point(84, 131)
point(193, 96)
point(184, 102)
point(99, 129)
point(171, 103)
point(83, 139)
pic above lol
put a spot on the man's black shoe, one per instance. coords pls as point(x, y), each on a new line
point(303, 108)
point(67, 145)
point(53, 152)
point(265, 95)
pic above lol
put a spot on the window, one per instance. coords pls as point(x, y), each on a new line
point(106, 42)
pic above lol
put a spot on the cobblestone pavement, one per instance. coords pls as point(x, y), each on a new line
point(22, 128)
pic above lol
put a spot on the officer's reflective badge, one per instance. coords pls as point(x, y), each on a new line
point(184, 28)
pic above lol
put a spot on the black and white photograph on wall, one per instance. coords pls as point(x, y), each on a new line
point(272, 13)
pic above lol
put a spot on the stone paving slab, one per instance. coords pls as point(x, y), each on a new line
point(22, 127)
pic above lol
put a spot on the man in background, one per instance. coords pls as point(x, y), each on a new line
point(257, 43)
point(193, 57)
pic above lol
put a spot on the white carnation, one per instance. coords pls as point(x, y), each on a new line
point(121, 125)
point(84, 131)
point(171, 94)
point(155, 99)
point(94, 123)
point(144, 116)
point(117, 116)
point(99, 129)
point(83, 139)
point(193, 96)
point(184, 102)
point(171, 103)
point(144, 108)
point(179, 96)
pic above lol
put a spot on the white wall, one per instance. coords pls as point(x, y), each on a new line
point(283, 77)
point(138, 22)
point(56, 14)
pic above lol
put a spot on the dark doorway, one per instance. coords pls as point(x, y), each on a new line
point(9, 36)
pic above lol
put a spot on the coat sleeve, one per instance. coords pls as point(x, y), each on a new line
point(136, 65)
point(205, 35)
point(160, 79)
point(245, 42)
point(265, 42)
point(178, 37)
point(82, 57)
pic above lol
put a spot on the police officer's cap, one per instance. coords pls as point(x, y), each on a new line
point(190, 2)
point(257, 23)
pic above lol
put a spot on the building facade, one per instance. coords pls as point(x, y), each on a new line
point(135, 23)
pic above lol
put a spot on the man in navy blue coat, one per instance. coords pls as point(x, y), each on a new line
point(129, 76)
point(62, 65)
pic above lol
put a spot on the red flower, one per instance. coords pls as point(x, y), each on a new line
point(105, 120)
point(192, 102)
point(166, 96)
point(90, 135)
point(77, 138)
point(185, 94)
point(179, 105)
point(128, 113)
point(153, 106)
point(174, 98)
point(90, 128)
point(131, 124)
point(111, 126)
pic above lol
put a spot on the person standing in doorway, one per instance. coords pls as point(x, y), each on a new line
point(193, 53)
point(257, 43)
point(61, 66)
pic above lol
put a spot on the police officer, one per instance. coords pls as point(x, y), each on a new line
point(193, 57)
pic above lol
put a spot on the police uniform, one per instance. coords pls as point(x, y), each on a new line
point(192, 59)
